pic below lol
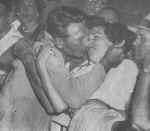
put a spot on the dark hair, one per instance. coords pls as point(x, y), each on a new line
point(123, 126)
point(61, 17)
point(117, 32)
point(94, 21)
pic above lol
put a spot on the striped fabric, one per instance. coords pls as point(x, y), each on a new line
point(94, 116)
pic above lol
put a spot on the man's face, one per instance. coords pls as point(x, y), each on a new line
point(76, 33)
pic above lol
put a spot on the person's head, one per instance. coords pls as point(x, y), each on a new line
point(92, 7)
point(67, 25)
point(97, 43)
point(123, 126)
point(27, 13)
point(121, 36)
point(109, 14)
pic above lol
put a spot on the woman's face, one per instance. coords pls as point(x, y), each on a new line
point(97, 44)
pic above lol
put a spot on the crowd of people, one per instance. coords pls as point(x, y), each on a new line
point(89, 72)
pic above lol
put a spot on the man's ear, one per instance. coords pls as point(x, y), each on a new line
point(59, 43)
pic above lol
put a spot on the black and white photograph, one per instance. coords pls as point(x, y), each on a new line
point(74, 65)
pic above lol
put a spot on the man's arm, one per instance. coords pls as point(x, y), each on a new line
point(140, 104)
point(24, 53)
point(57, 101)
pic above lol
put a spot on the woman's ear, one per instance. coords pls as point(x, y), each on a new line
point(59, 43)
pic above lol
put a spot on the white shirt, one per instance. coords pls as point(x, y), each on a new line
point(118, 85)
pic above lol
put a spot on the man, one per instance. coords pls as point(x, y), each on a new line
point(66, 61)
point(12, 42)
point(70, 50)
point(92, 7)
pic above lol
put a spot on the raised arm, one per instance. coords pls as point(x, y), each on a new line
point(140, 103)
point(24, 53)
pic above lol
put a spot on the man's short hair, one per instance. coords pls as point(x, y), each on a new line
point(61, 17)
point(123, 126)
point(117, 32)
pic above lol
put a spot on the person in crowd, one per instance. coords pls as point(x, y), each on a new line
point(9, 36)
point(92, 7)
point(27, 12)
point(140, 100)
point(13, 44)
point(18, 47)
point(109, 14)
point(31, 28)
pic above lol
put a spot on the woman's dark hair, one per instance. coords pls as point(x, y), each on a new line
point(123, 126)
point(117, 32)
point(61, 17)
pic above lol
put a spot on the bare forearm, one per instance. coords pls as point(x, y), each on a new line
point(58, 104)
point(140, 102)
